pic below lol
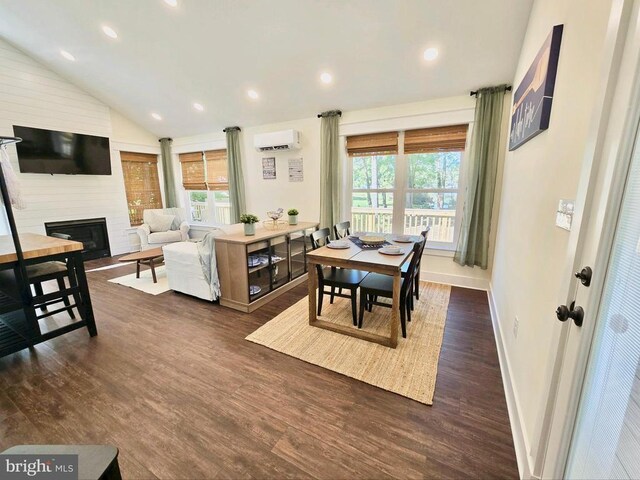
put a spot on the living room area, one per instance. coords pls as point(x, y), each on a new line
point(313, 239)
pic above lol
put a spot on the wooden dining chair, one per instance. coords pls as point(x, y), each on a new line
point(378, 285)
point(342, 229)
point(405, 267)
point(53, 270)
point(336, 277)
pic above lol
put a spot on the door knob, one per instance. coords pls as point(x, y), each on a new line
point(575, 313)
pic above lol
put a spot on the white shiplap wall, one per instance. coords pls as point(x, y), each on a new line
point(33, 96)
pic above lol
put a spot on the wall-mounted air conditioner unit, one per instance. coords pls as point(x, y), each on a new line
point(277, 141)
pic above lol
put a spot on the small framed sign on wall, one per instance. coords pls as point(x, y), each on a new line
point(296, 170)
point(269, 168)
point(533, 98)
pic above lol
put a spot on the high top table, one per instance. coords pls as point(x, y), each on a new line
point(368, 260)
point(19, 326)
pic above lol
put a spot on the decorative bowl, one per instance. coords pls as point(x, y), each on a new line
point(372, 239)
point(275, 214)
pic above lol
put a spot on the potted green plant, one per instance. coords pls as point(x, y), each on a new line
point(293, 216)
point(249, 220)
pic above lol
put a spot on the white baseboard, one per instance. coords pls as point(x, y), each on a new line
point(518, 429)
point(455, 280)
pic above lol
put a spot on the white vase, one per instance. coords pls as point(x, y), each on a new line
point(293, 219)
point(249, 228)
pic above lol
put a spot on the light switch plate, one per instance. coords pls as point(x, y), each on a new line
point(564, 215)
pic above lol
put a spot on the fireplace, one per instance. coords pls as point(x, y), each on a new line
point(92, 232)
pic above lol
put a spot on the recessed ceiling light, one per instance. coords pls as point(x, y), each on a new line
point(67, 55)
point(253, 94)
point(156, 116)
point(198, 106)
point(109, 32)
point(430, 54)
point(171, 3)
point(326, 78)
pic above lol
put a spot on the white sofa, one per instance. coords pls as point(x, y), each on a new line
point(184, 270)
point(151, 237)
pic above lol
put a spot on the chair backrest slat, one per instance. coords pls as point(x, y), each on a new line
point(342, 229)
point(320, 237)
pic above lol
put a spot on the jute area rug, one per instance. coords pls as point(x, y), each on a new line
point(409, 370)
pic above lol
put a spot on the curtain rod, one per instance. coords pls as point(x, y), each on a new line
point(165, 138)
point(330, 113)
point(473, 93)
point(231, 129)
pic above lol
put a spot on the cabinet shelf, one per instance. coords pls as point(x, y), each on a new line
point(266, 264)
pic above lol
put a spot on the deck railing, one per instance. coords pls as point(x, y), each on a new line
point(221, 214)
point(441, 222)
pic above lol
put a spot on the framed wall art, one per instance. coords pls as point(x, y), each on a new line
point(533, 98)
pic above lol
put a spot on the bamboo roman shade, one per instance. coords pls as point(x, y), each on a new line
point(205, 170)
point(193, 172)
point(141, 183)
point(373, 144)
point(439, 139)
point(217, 172)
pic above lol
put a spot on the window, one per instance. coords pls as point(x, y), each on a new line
point(405, 185)
point(141, 183)
point(373, 181)
point(205, 180)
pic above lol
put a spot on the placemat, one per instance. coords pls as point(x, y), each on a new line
point(366, 246)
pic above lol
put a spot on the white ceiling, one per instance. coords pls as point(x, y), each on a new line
point(212, 51)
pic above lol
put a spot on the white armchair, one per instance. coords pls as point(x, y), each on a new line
point(156, 231)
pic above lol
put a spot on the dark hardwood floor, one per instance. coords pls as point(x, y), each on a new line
point(172, 383)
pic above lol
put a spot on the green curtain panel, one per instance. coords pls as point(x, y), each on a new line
point(168, 173)
point(236, 177)
point(329, 169)
point(484, 150)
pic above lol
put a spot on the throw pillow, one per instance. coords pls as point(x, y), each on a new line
point(159, 222)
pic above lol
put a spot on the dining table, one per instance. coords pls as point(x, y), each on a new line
point(365, 259)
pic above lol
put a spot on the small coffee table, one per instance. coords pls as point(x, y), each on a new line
point(148, 257)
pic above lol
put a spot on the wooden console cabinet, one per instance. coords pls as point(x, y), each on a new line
point(255, 269)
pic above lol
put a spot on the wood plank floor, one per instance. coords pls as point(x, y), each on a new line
point(172, 383)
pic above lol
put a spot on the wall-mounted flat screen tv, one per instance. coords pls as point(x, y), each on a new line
point(49, 151)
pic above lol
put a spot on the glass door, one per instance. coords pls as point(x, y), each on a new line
point(606, 437)
point(259, 265)
point(279, 261)
point(300, 244)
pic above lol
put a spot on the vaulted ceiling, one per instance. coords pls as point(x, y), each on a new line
point(213, 51)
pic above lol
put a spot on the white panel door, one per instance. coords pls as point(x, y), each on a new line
point(593, 373)
point(606, 438)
